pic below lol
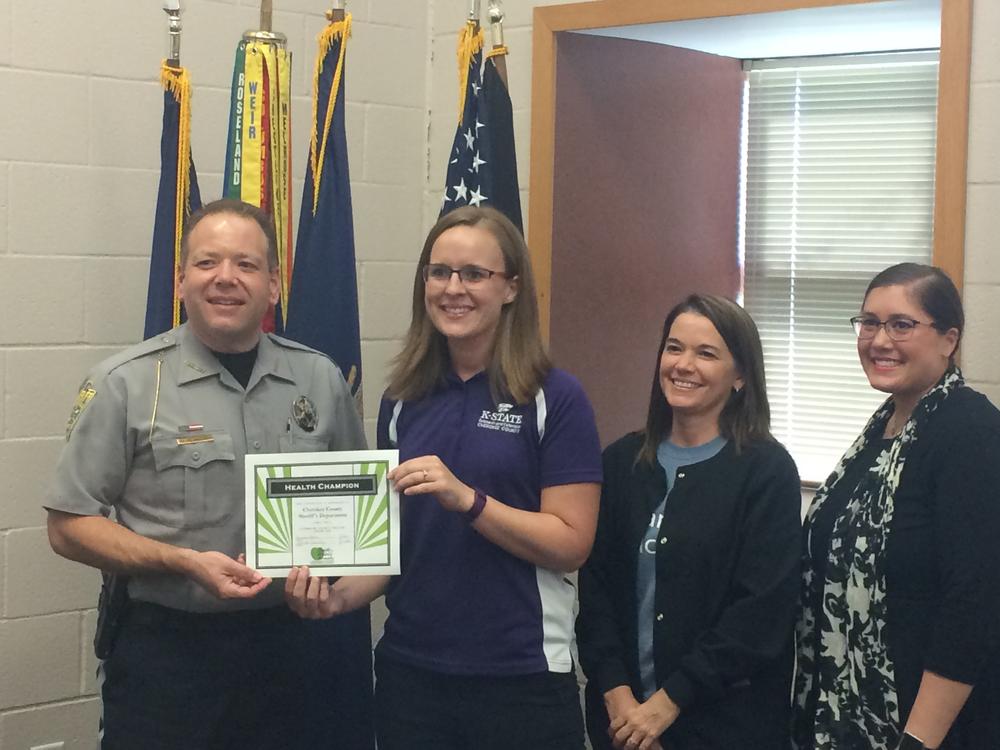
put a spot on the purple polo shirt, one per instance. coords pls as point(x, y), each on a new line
point(463, 605)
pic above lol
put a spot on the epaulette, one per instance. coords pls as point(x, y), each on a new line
point(294, 345)
point(154, 344)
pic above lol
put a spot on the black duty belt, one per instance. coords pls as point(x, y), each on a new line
point(156, 615)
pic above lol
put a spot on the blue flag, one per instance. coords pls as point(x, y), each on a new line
point(323, 304)
point(177, 197)
point(482, 166)
point(323, 314)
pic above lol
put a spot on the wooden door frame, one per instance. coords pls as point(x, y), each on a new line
point(952, 123)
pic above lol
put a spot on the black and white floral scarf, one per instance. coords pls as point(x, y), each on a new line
point(851, 669)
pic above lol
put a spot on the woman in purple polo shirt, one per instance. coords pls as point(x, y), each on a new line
point(500, 469)
point(688, 601)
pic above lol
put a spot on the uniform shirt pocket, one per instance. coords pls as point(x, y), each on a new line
point(197, 477)
point(294, 442)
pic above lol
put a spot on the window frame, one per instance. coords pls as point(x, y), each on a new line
point(953, 112)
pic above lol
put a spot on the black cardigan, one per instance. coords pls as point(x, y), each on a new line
point(942, 566)
point(727, 583)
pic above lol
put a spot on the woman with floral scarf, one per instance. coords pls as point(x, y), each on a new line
point(897, 636)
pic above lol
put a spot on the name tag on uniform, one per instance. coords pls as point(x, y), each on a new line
point(192, 439)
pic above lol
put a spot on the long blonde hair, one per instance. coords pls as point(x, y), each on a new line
point(518, 363)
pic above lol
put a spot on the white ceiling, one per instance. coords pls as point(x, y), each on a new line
point(836, 30)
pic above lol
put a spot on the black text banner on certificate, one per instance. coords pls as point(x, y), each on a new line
point(335, 512)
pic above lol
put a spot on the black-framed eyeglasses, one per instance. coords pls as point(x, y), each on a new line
point(440, 273)
point(897, 328)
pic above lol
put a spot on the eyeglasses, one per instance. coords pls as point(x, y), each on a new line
point(440, 273)
point(898, 329)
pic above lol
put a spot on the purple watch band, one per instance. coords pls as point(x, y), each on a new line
point(477, 506)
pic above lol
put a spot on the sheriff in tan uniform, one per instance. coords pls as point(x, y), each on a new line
point(150, 484)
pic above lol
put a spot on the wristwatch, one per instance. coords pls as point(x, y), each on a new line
point(909, 742)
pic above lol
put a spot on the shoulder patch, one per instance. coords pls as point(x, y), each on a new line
point(84, 397)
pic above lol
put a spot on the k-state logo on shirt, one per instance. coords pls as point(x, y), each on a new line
point(501, 419)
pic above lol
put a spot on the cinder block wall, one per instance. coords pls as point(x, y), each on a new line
point(79, 144)
point(79, 163)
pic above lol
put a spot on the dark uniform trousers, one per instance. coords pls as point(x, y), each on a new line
point(186, 681)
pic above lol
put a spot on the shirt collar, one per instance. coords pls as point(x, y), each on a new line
point(452, 378)
point(197, 360)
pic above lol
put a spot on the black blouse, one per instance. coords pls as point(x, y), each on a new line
point(942, 561)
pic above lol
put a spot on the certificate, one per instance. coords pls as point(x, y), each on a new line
point(335, 512)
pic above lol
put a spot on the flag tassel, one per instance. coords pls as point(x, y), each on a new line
point(470, 41)
point(317, 143)
point(176, 82)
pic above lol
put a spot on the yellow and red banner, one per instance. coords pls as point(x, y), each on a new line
point(258, 152)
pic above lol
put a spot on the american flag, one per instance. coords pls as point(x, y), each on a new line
point(482, 167)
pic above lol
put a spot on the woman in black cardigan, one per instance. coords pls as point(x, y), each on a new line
point(687, 603)
point(898, 634)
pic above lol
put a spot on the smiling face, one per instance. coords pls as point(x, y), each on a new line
point(697, 370)
point(225, 282)
point(468, 314)
point(905, 369)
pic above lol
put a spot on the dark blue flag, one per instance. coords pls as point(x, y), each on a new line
point(323, 304)
point(482, 167)
point(177, 197)
point(323, 314)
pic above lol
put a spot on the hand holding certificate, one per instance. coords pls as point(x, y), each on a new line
point(336, 512)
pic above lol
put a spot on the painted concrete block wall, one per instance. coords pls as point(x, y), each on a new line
point(78, 169)
point(79, 163)
point(981, 353)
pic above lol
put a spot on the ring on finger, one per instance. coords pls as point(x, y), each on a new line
point(425, 475)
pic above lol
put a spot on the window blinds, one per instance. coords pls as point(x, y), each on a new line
point(839, 184)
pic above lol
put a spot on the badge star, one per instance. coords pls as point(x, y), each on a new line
point(470, 139)
point(476, 161)
point(476, 198)
point(461, 191)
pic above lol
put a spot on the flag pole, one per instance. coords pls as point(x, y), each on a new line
point(266, 7)
point(499, 52)
point(173, 10)
point(337, 12)
point(474, 11)
point(264, 33)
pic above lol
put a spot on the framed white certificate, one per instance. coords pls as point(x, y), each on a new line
point(335, 512)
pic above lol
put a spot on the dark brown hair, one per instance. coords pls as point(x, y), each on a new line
point(518, 364)
point(746, 417)
point(235, 208)
point(932, 290)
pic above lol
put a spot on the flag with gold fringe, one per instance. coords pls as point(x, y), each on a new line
point(323, 308)
point(177, 197)
point(323, 314)
point(482, 165)
point(258, 147)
